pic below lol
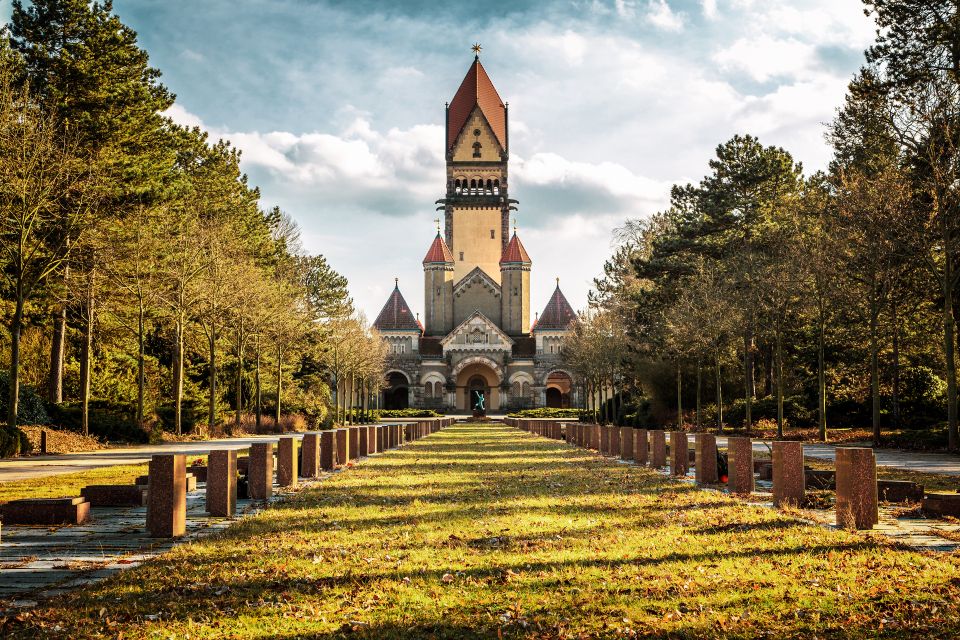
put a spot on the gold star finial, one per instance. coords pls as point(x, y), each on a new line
point(476, 48)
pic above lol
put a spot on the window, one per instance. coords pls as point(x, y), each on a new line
point(476, 149)
point(516, 291)
point(461, 256)
point(438, 290)
point(493, 234)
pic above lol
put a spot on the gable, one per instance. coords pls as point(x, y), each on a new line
point(477, 333)
point(463, 148)
point(477, 279)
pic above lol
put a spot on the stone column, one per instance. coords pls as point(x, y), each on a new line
point(260, 475)
point(310, 455)
point(740, 465)
point(706, 460)
point(604, 440)
point(626, 443)
point(362, 450)
point(222, 483)
point(788, 476)
point(287, 462)
point(640, 446)
point(167, 495)
point(596, 437)
point(658, 448)
point(354, 452)
point(679, 453)
point(328, 450)
point(343, 446)
point(371, 439)
point(614, 441)
point(856, 488)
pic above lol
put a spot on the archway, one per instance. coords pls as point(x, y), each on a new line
point(558, 389)
point(397, 393)
point(479, 393)
point(475, 376)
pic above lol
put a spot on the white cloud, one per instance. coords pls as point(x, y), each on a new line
point(765, 57)
point(709, 8)
point(660, 15)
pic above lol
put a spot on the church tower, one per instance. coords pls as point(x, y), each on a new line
point(438, 288)
point(515, 288)
point(476, 207)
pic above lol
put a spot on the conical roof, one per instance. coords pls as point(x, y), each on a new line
point(557, 315)
point(514, 252)
point(476, 90)
point(396, 315)
point(438, 252)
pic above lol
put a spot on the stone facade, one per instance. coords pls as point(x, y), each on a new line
point(476, 337)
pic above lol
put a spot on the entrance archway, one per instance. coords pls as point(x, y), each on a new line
point(558, 388)
point(478, 387)
point(474, 377)
point(397, 393)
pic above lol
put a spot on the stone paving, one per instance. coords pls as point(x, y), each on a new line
point(41, 562)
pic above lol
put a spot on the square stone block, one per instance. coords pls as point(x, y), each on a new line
point(115, 495)
point(942, 504)
point(287, 475)
point(46, 511)
point(191, 482)
point(198, 471)
point(354, 434)
point(371, 439)
point(310, 455)
point(260, 476)
point(856, 488)
point(899, 491)
point(328, 450)
point(788, 476)
point(640, 446)
point(658, 448)
point(740, 465)
point(626, 443)
point(604, 440)
point(614, 441)
point(222, 483)
point(596, 437)
point(343, 446)
point(167, 496)
point(706, 459)
point(679, 453)
point(362, 444)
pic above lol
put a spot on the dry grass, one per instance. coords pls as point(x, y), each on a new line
point(482, 531)
point(62, 440)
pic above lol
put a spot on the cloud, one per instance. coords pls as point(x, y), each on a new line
point(709, 8)
point(765, 57)
point(660, 15)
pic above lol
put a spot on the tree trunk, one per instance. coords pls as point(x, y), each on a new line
point(57, 354)
point(141, 369)
point(258, 399)
point(86, 357)
point(279, 380)
point(212, 408)
point(699, 387)
point(16, 328)
point(238, 393)
point(779, 365)
point(875, 373)
point(949, 353)
point(679, 398)
point(821, 383)
point(719, 393)
point(747, 380)
point(895, 391)
point(178, 375)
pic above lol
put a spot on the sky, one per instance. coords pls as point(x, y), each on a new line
point(338, 108)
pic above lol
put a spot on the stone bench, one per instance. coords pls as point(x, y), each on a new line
point(46, 511)
point(942, 504)
point(899, 491)
point(115, 495)
point(198, 471)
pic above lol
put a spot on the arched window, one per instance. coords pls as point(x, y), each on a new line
point(496, 187)
point(473, 183)
point(489, 186)
point(476, 149)
point(526, 390)
point(457, 187)
point(437, 390)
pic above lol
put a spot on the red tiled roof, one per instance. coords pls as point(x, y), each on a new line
point(396, 315)
point(557, 315)
point(439, 251)
point(477, 89)
point(514, 251)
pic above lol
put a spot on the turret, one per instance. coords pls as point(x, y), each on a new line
point(438, 269)
point(515, 288)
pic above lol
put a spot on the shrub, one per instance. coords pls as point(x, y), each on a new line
point(405, 413)
point(111, 421)
point(13, 441)
point(795, 413)
point(30, 407)
point(549, 412)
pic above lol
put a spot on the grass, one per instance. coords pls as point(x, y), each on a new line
point(482, 531)
point(69, 484)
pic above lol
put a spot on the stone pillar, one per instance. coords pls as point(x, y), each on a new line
point(222, 483)
point(287, 462)
point(614, 441)
point(739, 465)
point(605, 440)
point(343, 446)
point(788, 476)
point(856, 488)
point(362, 450)
point(706, 460)
point(260, 475)
point(658, 449)
point(640, 444)
point(354, 443)
point(679, 453)
point(328, 450)
point(371, 439)
point(167, 496)
point(626, 443)
point(310, 455)
point(596, 436)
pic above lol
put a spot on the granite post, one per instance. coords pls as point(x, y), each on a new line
point(740, 465)
point(287, 461)
point(706, 461)
point(222, 483)
point(343, 446)
point(658, 448)
point(679, 453)
point(640, 453)
point(260, 475)
point(167, 496)
point(328, 450)
point(788, 475)
point(626, 443)
point(856, 488)
point(310, 455)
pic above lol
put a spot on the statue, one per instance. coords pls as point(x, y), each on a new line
point(479, 408)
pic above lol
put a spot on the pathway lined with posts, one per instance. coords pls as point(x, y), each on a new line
point(49, 546)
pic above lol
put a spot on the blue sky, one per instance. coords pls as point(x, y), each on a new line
point(338, 108)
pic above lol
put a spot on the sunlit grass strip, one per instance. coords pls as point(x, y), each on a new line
point(69, 484)
point(536, 539)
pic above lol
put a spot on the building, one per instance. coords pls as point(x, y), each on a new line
point(476, 338)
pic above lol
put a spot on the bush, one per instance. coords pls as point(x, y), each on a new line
point(31, 408)
point(549, 412)
point(111, 421)
point(13, 441)
point(405, 413)
point(639, 416)
point(795, 413)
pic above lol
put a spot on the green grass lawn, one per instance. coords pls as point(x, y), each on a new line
point(69, 484)
point(483, 531)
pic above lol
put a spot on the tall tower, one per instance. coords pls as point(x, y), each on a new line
point(515, 288)
point(476, 207)
point(438, 288)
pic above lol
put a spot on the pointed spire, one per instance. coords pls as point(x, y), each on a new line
point(514, 253)
point(438, 252)
point(558, 314)
point(396, 314)
point(476, 90)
